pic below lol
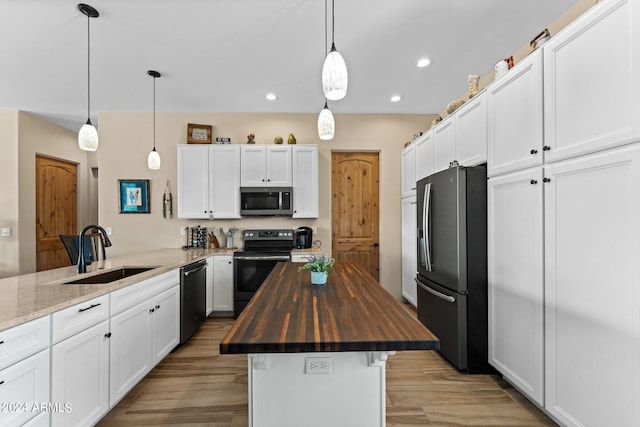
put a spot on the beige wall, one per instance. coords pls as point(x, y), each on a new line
point(127, 138)
point(9, 213)
point(37, 136)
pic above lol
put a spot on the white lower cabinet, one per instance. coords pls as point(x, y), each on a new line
point(515, 279)
point(223, 283)
point(23, 387)
point(592, 296)
point(80, 377)
point(409, 239)
point(141, 337)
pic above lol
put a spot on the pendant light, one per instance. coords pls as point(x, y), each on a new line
point(88, 135)
point(334, 70)
point(326, 123)
point(154, 158)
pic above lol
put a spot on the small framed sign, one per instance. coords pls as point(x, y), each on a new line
point(134, 195)
point(223, 140)
point(199, 134)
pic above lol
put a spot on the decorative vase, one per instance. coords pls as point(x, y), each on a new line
point(319, 277)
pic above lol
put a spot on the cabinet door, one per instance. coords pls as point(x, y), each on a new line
point(515, 279)
point(166, 323)
point(592, 81)
point(409, 171)
point(444, 144)
point(471, 131)
point(514, 118)
point(253, 166)
point(223, 283)
point(193, 182)
point(424, 156)
point(592, 297)
point(24, 382)
point(305, 181)
point(409, 267)
point(209, 292)
point(224, 180)
point(80, 376)
point(131, 350)
point(279, 166)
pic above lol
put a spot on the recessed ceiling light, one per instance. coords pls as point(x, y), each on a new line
point(396, 98)
point(423, 62)
point(272, 96)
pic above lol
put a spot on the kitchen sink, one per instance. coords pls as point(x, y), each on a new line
point(110, 276)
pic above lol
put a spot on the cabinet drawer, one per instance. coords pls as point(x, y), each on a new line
point(79, 317)
point(24, 340)
point(133, 295)
point(24, 385)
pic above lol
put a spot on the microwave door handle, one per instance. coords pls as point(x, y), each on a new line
point(425, 224)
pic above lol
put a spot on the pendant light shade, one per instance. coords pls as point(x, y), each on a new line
point(326, 124)
point(153, 161)
point(334, 71)
point(334, 76)
point(88, 135)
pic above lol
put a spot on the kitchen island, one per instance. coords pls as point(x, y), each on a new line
point(316, 354)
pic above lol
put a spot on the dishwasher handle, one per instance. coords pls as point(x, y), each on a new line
point(194, 268)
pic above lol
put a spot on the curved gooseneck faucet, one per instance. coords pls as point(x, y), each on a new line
point(82, 264)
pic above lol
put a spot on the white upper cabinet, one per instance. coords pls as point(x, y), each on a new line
point(224, 180)
point(515, 279)
point(193, 181)
point(592, 298)
point(592, 75)
point(471, 131)
point(514, 118)
point(409, 171)
point(424, 156)
point(266, 166)
point(305, 181)
point(444, 144)
point(209, 181)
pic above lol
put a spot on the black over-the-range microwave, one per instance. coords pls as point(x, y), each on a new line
point(266, 201)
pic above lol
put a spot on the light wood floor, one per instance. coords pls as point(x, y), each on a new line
point(196, 386)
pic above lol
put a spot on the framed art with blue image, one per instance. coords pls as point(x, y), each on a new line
point(134, 195)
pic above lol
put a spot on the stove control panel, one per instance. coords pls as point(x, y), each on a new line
point(267, 235)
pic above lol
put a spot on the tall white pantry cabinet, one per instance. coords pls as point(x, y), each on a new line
point(564, 237)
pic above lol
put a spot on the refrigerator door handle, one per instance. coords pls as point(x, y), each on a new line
point(435, 293)
point(425, 224)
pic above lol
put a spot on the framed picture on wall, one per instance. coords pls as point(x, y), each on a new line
point(134, 195)
point(199, 134)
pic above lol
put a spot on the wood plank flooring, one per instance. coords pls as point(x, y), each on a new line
point(196, 386)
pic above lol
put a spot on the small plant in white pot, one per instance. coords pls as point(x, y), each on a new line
point(319, 266)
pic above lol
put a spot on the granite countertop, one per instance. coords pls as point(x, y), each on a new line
point(29, 296)
point(352, 312)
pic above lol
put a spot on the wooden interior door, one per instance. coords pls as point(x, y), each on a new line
point(354, 209)
point(56, 210)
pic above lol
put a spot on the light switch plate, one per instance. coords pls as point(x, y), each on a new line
point(108, 231)
point(6, 232)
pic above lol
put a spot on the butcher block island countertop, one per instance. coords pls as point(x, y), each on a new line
point(352, 312)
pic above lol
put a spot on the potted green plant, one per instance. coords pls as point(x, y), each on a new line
point(319, 266)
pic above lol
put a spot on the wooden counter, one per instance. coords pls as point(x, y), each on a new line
point(352, 312)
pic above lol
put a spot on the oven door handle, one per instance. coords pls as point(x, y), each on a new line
point(260, 258)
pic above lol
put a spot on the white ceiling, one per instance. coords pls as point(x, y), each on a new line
point(225, 55)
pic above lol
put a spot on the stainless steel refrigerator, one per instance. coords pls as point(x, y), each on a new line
point(452, 263)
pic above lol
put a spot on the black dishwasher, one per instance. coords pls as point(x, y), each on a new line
point(193, 288)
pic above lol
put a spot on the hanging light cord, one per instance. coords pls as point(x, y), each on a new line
point(333, 22)
point(88, 69)
point(154, 113)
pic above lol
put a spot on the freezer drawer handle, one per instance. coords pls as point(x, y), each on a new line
point(435, 293)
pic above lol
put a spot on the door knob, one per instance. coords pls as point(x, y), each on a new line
point(375, 245)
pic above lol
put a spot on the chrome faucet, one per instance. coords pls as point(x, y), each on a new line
point(82, 264)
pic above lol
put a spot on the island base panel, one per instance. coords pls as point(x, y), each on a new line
point(282, 394)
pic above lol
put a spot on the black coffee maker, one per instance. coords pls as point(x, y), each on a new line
point(304, 237)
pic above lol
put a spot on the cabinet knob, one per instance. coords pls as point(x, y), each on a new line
point(151, 310)
point(269, 180)
point(262, 179)
point(534, 151)
point(229, 262)
point(107, 335)
point(546, 148)
point(158, 307)
point(533, 182)
point(546, 179)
